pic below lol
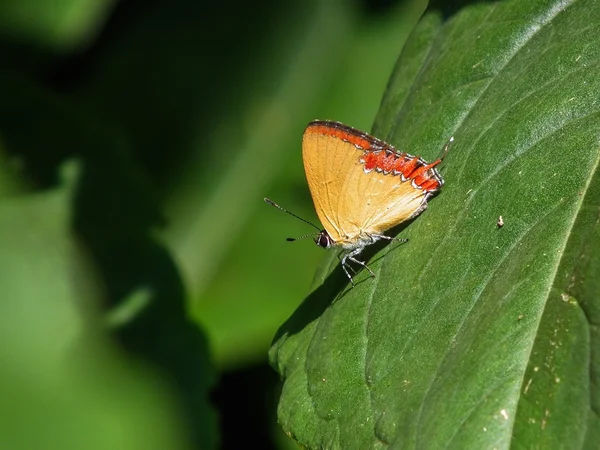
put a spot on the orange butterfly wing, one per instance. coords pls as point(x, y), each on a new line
point(360, 185)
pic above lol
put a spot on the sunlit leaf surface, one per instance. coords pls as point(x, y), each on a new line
point(471, 335)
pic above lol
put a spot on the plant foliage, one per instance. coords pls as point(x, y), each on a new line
point(471, 335)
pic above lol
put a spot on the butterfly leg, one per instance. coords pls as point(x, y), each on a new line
point(351, 256)
point(362, 263)
point(348, 265)
point(344, 264)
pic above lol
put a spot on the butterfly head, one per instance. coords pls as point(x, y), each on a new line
point(324, 240)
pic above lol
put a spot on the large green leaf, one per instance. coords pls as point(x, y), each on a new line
point(50, 299)
point(471, 336)
point(63, 384)
point(59, 25)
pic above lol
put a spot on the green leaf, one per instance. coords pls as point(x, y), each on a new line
point(251, 248)
point(59, 25)
point(471, 336)
point(50, 296)
point(63, 384)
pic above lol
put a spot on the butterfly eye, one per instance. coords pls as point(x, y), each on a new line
point(323, 240)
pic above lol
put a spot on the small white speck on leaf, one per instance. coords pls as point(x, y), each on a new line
point(527, 386)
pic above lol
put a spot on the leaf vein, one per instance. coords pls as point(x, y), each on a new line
point(475, 299)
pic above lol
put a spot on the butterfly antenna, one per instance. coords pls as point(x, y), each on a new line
point(298, 238)
point(272, 203)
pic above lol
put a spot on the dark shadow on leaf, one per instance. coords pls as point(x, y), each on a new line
point(448, 8)
point(114, 213)
point(315, 304)
point(334, 289)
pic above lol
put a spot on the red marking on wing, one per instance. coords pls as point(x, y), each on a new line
point(344, 133)
point(429, 179)
point(430, 185)
point(410, 167)
point(388, 161)
point(370, 161)
point(418, 173)
point(400, 163)
point(381, 156)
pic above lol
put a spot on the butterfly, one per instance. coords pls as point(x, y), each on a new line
point(361, 187)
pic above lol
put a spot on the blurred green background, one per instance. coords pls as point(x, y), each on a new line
point(142, 277)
